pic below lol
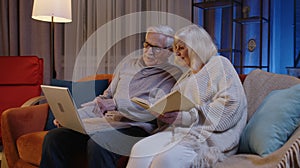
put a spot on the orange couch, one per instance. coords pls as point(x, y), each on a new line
point(24, 130)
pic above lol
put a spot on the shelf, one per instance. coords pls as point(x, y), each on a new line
point(237, 30)
point(249, 66)
point(253, 19)
point(215, 4)
point(229, 50)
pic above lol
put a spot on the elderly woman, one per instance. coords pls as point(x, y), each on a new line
point(210, 131)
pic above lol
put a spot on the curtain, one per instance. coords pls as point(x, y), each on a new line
point(103, 32)
point(100, 35)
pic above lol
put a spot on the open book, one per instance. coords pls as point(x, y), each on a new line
point(173, 101)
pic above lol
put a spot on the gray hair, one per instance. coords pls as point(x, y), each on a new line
point(164, 30)
point(199, 44)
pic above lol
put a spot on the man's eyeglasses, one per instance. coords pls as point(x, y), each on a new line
point(155, 49)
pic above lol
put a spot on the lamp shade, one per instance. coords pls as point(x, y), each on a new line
point(43, 10)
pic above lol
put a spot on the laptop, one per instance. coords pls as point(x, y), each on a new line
point(65, 111)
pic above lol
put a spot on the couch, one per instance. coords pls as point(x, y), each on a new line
point(257, 84)
point(24, 127)
point(20, 80)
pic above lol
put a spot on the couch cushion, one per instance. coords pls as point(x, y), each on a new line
point(30, 147)
point(273, 122)
point(258, 84)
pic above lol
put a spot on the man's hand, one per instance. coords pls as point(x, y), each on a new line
point(170, 117)
point(91, 103)
point(56, 123)
point(106, 104)
point(101, 105)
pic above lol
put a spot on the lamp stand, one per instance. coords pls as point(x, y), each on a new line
point(52, 57)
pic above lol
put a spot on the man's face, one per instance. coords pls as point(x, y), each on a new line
point(155, 52)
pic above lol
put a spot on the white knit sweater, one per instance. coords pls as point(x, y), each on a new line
point(220, 112)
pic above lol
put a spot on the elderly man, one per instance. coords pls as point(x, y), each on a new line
point(149, 77)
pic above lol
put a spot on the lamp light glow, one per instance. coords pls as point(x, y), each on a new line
point(58, 10)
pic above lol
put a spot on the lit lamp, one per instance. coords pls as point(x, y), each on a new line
point(52, 11)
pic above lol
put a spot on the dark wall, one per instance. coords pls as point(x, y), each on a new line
point(282, 35)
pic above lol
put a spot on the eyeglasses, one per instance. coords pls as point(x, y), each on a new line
point(155, 49)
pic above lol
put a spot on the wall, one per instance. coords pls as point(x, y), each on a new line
point(282, 35)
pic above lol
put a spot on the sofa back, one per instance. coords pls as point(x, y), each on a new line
point(20, 79)
point(258, 84)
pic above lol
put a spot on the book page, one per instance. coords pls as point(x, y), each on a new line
point(173, 101)
point(142, 102)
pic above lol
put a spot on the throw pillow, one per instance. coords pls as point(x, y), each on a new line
point(82, 92)
point(273, 123)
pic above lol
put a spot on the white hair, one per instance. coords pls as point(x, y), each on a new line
point(165, 30)
point(199, 44)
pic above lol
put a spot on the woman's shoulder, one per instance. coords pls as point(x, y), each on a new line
point(219, 62)
point(219, 58)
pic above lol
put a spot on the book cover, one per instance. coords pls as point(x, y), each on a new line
point(173, 101)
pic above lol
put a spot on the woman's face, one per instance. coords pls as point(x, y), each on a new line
point(181, 54)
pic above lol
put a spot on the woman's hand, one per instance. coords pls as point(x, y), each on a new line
point(170, 117)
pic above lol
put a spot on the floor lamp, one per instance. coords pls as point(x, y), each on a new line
point(53, 11)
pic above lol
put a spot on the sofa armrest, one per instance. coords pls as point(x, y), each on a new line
point(289, 154)
point(286, 156)
point(33, 101)
point(19, 121)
